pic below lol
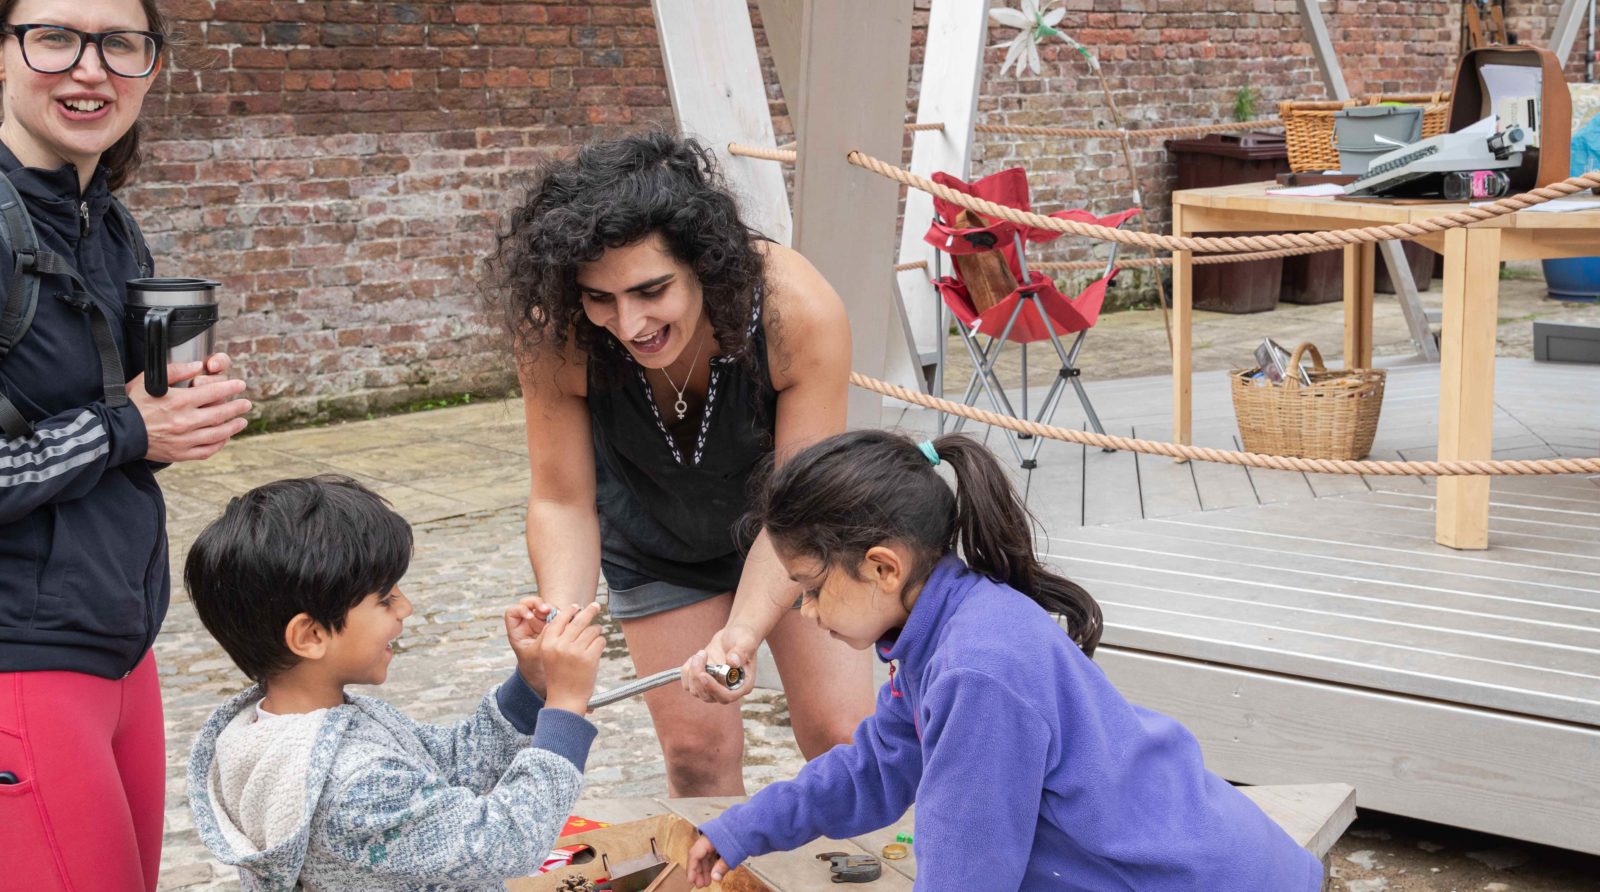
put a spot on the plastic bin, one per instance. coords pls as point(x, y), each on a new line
point(1574, 279)
point(1313, 278)
point(1356, 131)
point(1225, 160)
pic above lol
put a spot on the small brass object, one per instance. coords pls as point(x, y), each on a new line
point(730, 676)
point(894, 852)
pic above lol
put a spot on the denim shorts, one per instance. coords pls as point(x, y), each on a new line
point(635, 596)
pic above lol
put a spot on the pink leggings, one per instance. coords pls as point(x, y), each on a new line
point(88, 756)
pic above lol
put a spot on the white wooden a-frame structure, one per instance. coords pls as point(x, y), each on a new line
point(843, 67)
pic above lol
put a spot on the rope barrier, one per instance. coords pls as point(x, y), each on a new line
point(1146, 262)
point(1204, 259)
point(1236, 244)
point(1328, 238)
point(1153, 133)
point(787, 156)
point(1485, 468)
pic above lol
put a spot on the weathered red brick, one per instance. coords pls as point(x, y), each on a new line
point(326, 156)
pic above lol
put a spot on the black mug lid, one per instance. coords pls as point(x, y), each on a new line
point(167, 283)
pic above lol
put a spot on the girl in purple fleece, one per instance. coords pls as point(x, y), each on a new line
point(1029, 770)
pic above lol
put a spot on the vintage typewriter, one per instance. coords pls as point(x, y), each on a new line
point(1417, 170)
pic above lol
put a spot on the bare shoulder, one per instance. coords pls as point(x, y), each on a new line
point(807, 325)
point(549, 372)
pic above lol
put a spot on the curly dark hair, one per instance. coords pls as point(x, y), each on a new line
point(614, 193)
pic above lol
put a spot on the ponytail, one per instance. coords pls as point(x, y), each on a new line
point(995, 534)
point(837, 498)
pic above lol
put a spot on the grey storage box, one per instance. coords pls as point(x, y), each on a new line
point(1356, 131)
point(1556, 342)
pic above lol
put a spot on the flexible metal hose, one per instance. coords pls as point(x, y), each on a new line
point(730, 676)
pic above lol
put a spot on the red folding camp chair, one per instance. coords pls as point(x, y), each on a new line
point(1034, 310)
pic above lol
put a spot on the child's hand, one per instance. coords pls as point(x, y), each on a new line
point(570, 648)
point(705, 866)
point(525, 620)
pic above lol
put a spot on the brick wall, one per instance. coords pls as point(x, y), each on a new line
point(1174, 62)
point(340, 166)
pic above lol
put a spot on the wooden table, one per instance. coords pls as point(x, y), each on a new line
point(1472, 259)
point(1314, 815)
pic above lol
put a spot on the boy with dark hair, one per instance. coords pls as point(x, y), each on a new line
point(302, 786)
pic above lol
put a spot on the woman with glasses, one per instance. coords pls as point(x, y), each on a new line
point(84, 580)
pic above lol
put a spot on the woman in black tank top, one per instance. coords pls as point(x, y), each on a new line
point(666, 353)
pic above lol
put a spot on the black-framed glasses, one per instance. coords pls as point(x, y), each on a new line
point(53, 49)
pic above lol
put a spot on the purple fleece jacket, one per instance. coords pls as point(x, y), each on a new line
point(1028, 769)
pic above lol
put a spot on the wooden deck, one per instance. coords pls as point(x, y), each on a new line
point(1308, 629)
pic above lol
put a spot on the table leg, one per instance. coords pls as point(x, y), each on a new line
point(1360, 266)
point(1182, 335)
point(1466, 381)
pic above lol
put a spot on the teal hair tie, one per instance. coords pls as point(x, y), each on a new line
point(931, 453)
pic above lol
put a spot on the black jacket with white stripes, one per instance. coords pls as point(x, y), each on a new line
point(83, 549)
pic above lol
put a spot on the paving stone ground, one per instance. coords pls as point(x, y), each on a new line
point(460, 476)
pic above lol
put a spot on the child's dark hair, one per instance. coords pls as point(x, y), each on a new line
point(838, 498)
point(317, 546)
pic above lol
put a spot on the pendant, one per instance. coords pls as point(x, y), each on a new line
point(681, 407)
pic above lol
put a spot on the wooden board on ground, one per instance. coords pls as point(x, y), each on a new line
point(1314, 815)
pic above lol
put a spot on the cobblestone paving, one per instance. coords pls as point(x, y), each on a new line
point(460, 476)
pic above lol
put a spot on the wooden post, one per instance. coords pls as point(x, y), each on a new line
point(1358, 289)
point(1182, 336)
point(1327, 60)
point(1466, 381)
point(854, 62)
point(718, 95)
point(780, 20)
point(1565, 33)
point(951, 64)
point(1405, 287)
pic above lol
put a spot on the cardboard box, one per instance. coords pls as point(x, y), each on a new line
point(671, 837)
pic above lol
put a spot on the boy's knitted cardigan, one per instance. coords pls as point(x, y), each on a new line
point(361, 797)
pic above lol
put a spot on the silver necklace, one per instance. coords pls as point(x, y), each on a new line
point(682, 406)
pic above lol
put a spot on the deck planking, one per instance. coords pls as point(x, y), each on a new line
point(1308, 627)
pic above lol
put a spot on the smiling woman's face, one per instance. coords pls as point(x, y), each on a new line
point(75, 116)
point(649, 300)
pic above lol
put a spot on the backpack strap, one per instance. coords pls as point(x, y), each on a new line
point(21, 297)
point(130, 226)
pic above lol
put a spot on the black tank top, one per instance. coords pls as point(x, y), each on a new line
point(667, 514)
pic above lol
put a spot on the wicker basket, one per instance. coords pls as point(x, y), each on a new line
point(1335, 417)
point(1308, 126)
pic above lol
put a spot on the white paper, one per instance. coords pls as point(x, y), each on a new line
point(1511, 82)
point(1318, 190)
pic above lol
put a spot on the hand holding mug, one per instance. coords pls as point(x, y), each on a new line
point(191, 423)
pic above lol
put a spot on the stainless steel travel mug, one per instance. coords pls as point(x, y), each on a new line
point(176, 317)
